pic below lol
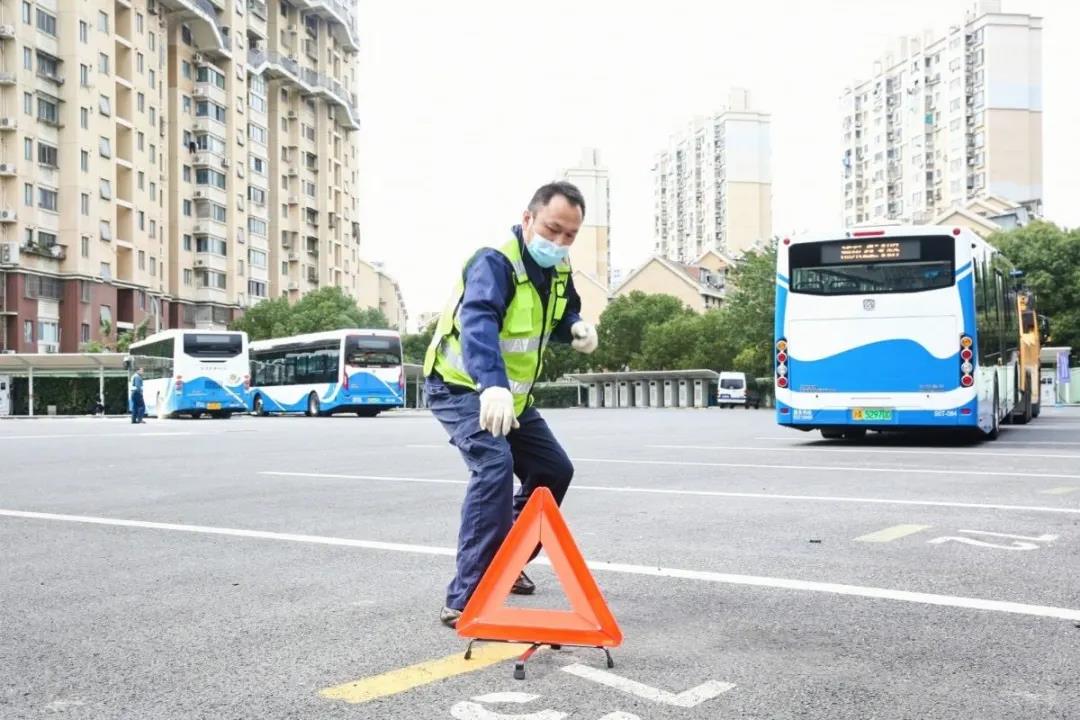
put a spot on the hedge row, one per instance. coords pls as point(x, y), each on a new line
point(71, 396)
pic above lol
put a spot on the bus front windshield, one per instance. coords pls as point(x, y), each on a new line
point(372, 351)
point(219, 346)
point(863, 266)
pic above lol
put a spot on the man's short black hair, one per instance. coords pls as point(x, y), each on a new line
point(568, 190)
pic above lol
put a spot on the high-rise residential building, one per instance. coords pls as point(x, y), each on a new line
point(712, 186)
point(947, 117)
point(591, 251)
point(171, 162)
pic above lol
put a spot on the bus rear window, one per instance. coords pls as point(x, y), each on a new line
point(213, 346)
point(731, 384)
point(372, 351)
point(864, 266)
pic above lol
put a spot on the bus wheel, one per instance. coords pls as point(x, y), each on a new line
point(313, 406)
point(996, 429)
point(259, 409)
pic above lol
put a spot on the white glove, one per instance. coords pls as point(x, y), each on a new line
point(497, 411)
point(585, 340)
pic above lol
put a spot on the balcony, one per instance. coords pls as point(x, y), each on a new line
point(339, 18)
point(201, 16)
point(55, 251)
point(311, 82)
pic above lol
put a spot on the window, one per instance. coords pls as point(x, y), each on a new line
point(106, 274)
point(257, 133)
point(153, 115)
point(153, 153)
point(257, 226)
point(48, 110)
point(257, 103)
point(257, 258)
point(309, 188)
point(212, 211)
point(256, 195)
point(84, 32)
point(103, 63)
point(139, 23)
point(28, 103)
point(153, 42)
point(105, 147)
point(209, 279)
point(84, 204)
point(84, 332)
point(256, 288)
point(105, 188)
point(28, 148)
point(140, 179)
point(84, 161)
point(142, 260)
point(186, 173)
point(153, 80)
point(206, 108)
point(140, 102)
point(84, 246)
point(212, 143)
point(187, 243)
point(153, 191)
point(211, 244)
point(186, 104)
point(140, 63)
point(187, 208)
point(49, 331)
point(26, 12)
point(27, 59)
point(185, 35)
point(859, 266)
point(28, 195)
point(84, 291)
point(205, 176)
point(28, 331)
point(187, 276)
point(258, 165)
point(185, 69)
point(140, 219)
point(84, 75)
point(153, 266)
point(207, 74)
point(84, 118)
point(46, 23)
point(48, 66)
point(47, 155)
point(103, 21)
point(140, 141)
point(105, 229)
point(47, 199)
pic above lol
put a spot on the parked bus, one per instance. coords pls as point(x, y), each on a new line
point(193, 372)
point(894, 327)
point(325, 373)
point(1028, 403)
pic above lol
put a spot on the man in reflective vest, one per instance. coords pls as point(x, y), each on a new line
point(485, 355)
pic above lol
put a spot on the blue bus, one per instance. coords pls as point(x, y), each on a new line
point(341, 371)
point(894, 327)
point(193, 372)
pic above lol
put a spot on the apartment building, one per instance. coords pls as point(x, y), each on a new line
point(947, 117)
point(591, 251)
point(171, 162)
point(700, 285)
point(379, 289)
point(712, 185)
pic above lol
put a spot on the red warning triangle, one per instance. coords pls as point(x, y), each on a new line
point(588, 622)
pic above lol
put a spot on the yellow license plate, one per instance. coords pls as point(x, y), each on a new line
point(213, 406)
point(872, 414)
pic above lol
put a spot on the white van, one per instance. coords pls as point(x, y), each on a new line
point(732, 390)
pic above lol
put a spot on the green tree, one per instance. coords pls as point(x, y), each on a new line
point(750, 308)
point(414, 346)
point(1050, 259)
point(325, 309)
point(623, 324)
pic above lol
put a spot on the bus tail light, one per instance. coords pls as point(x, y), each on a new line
point(967, 381)
point(965, 411)
point(967, 367)
point(179, 383)
point(345, 380)
point(781, 363)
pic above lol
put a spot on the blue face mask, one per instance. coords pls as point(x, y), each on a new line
point(546, 253)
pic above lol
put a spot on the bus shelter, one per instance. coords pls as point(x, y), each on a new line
point(648, 388)
point(31, 365)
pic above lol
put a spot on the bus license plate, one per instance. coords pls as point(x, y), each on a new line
point(213, 406)
point(872, 414)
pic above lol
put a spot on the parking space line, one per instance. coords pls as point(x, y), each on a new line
point(425, 673)
point(1000, 606)
point(134, 434)
point(869, 450)
point(832, 468)
point(893, 533)
point(1060, 491)
point(709, 493)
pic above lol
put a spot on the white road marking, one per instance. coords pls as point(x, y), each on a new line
point(436, 447)
point(686, 699)
point(793, 436)
point(832, 468)
point(128, 435)
point(708, 493)
point(869, 450)
point(1060, 491)
point(893, 533)
point(1001, 606)
point(1041, 538)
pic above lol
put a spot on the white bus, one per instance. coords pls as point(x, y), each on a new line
point(894, 327)
point(320, 374)
point(193, 372)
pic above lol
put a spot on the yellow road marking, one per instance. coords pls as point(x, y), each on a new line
point(892, 533)
point(407, 678)
point(1060, 490)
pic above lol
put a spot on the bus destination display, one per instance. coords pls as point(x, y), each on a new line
point(863, 251)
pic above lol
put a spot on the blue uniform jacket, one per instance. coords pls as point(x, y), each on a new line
point(489, 288)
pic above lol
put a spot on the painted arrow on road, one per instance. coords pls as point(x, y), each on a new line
point(686, 699)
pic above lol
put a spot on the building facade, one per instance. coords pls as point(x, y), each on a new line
point(945, 118)
point(171, 162)
point(591, 251)
point(712, 186)
point(700, 285)
point(379, 289)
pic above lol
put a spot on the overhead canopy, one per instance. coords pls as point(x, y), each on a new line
point(641, 375)
point(62, 363)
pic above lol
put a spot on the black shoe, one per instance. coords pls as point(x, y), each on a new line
point(523, 585)
point(449, 617)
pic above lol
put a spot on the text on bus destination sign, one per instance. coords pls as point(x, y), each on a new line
point(872, 251)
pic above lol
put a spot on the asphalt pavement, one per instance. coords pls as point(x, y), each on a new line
point(295, 568)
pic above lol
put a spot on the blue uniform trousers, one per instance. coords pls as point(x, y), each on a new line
point(531, 452)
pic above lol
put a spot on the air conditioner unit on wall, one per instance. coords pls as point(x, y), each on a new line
point(9, 252)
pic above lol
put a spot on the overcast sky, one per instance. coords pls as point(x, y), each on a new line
point(468, 106)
